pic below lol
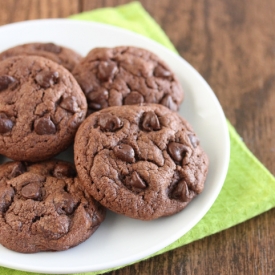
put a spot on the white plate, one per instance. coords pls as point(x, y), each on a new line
point(120, 240)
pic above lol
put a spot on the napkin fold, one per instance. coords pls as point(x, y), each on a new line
point(249, 186)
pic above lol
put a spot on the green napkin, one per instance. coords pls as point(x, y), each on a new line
point(248, 188)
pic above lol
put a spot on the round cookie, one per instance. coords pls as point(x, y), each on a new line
point(142, 161)
point(125, 76)
point(59, 54)
point(42, 207)
point(41, 107)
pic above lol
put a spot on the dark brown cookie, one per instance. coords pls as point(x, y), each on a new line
point(125, 76)
point(140, 161)
point(42, 207)
point(41, 107)
point(59, 54)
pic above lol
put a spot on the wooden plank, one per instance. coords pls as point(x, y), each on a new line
point(20, 10)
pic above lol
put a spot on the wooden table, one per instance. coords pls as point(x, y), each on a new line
point(232, 44)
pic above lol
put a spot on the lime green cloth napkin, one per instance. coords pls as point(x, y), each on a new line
point(249, 187)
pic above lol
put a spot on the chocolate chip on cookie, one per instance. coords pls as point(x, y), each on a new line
point(6, 124)
point(109, 122)
point(6, 81)
point(47, 79)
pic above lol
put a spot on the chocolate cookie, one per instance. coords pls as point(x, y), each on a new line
point(42, 207)
point(41, 107)
point(125, 76)
point(59, 54)
point(140, 161)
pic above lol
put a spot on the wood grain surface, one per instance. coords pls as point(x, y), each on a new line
point(232, 44)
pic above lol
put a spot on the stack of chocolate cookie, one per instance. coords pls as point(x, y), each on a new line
point(133, 153)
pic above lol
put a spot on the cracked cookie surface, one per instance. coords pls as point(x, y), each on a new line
point(125, 76)
point(43, 208)
point(41, 107)
point(142, 161)
point(64, 56)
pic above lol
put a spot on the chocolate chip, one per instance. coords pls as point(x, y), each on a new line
point(125, 152)
point(106, 70)
point(6, 81)
point(6, 197)
point(6, 124)
point(133, 98)
point(50, 47)
point(44, 126)
point(109, 122)
point(161, 72)
point(65, 203)
point(151, 82)
point(47, 79)
point(86, 86)
point(95, 106)
point(97, 99)
point(53, 227)
point(194, 140)
point(180, 192)
point(150, 121)
point(17, 170)
point(64, 171)
point(96, 219)
point(32, 191)
point(168, 102)
point(177, 151)
point(136, 181)
point(69, 104)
